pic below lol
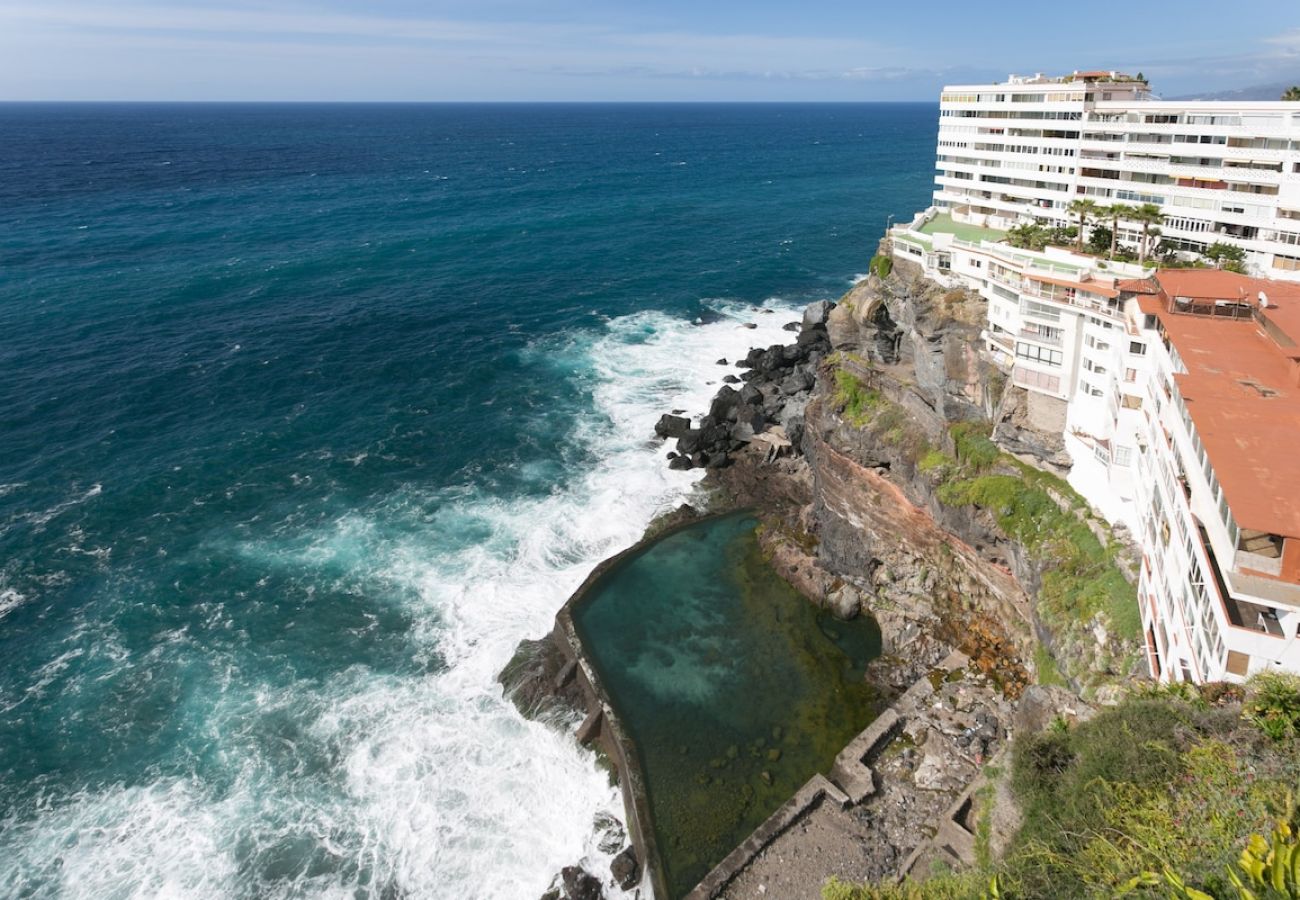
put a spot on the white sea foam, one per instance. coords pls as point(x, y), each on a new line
point(434, 785)
point(43, 518)
point(9, 600)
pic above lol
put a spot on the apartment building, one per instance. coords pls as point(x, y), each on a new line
point(1176, 392)
point(1217, 475)
point(1023, 149)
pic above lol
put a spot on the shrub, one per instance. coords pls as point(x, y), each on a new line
point(935, 461)
point(1273, 705)
point(974, 448)
point(855, 398)
point(881, 265)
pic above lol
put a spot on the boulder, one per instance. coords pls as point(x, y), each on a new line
point(680, 463)
point(730, 379)
point(814, 338)
point(626, 869)
point(723, 361)
point(753, 416)
point(791, 326)
point(842, 329)
point(715, 437)
point(716, 459)
point(670, 426)
point(751, 396)
point(844, 603)
point(580, 884)
point(724, 403)
point(796, 382)
point(690, 442)
point(816, 313)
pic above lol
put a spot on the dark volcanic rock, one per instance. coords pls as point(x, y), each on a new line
point(751, 396)
point(538, 680)
point(670, 426)
point(723, 361)
point(817, 313)
point(626, 869)
point(797, 381)
point(689, 442)
point(791, 326)
point(680, 463)
point(730, 379)
point(580, 884)
point(724, 403)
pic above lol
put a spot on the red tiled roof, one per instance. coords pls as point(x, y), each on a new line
point(1139, 286)
point(1217, 284)
point(1242, 390)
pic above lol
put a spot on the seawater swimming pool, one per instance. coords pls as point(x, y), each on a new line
point(733, 687)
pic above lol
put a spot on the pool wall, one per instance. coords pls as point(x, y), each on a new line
point(602, 726)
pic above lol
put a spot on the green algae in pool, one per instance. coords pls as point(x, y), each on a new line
point(734, 688)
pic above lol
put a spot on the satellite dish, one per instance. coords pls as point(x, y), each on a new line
point(1263, 300)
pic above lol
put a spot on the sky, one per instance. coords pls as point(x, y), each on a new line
point(617, 50)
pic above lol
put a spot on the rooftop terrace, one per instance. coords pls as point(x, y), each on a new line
point(943, 224)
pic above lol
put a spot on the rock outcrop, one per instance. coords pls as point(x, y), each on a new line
point(767, 409)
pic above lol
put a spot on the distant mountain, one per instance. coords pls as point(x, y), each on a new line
point(1255, 92)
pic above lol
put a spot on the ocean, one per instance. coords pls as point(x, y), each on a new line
point(310, 413)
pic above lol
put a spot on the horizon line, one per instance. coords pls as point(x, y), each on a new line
point(33, 102)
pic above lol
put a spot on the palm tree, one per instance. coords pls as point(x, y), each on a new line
point(1147, 215)
point(1085, 209)
point(1116, 211)
point(1292, 94)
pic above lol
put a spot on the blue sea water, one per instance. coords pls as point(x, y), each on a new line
point(308, 414)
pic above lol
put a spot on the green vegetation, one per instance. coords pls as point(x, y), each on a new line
point(1273, 705)
point(1036, 237)
point(1032, 507)
point(881, 265)
point(1046, 668)
point(855, 398)
point(1169, 794)
point(1292, 94)
point(1080, 578)
point(1226, 256)
point(1087, 210)
point(964, 886)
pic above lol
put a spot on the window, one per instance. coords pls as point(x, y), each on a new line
point(1130, 375)
point(1123, 456)
point(1039, 354)
point(1029, 378)
point(1137, 348)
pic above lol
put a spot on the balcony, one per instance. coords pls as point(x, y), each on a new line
point(1242, 613)
point(1051, 340)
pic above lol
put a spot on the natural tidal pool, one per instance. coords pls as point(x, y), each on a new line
point(734, 688)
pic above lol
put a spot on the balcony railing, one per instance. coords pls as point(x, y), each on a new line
point(1053, 340)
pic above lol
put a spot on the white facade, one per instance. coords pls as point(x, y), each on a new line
point(1214, 608)
point(1225, 172)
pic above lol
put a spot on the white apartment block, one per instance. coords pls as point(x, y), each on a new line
point(1178, 395)
point(1177, 392)
point(1217, 476)
point(1221, 171)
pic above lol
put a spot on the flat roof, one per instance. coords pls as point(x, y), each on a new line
point(944, 224)
point(1241, 390)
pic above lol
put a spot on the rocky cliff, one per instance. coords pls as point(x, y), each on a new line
point(910, 501)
